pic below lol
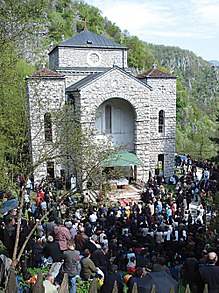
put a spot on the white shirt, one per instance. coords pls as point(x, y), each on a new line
point(29, 183)
point(176, 235)
point(43, 205)
point(93, 218)
point(168, 235)
point(49, 287)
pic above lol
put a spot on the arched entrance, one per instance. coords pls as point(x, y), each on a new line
point(115, 117)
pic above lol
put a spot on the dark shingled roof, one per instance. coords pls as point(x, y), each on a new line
point(45, 72)
point(154, 73)
point(90, 40)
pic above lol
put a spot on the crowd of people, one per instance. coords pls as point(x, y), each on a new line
point(162, 232)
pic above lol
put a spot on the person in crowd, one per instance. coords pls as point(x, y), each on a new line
point(92, 244)
point(175, 270)
point(113, 276)
point(210, 273)
point(37, 253)
point(131, 264)
point(136, 278)
point(81, 240)
point(203, 259)
point(190, 271)
point(88, 268)
point(160, 265)
point(100, 258)
point(71, 264)
point(9, 234)
point(48, 284)
point(62, 235)
point(52, 249)
point(50, 225)
point(142, 258)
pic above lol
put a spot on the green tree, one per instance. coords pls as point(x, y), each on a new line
point(215, 139)
point(19, 18)
point(14, 152)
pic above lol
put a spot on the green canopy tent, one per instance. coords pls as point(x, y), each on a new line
point(121, 160)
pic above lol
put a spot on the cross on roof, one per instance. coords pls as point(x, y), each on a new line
point(43, 64)
point(85, 22)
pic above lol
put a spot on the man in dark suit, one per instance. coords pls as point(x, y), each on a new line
point(210, 273)
point(52, 249)
point(100, 258)
point(92, 244)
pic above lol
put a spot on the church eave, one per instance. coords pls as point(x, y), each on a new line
point(45, 77)
point(46, 73)
point(88, 47)
point(157, 77)
point(155, 73)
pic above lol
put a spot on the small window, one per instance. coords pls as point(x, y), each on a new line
point(108, 119)
point(48, 127)
point(161, 122)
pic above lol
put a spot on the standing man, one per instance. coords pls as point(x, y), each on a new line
point(62, 235)
point(210, 273)
point(71, 264)
point(100, 258)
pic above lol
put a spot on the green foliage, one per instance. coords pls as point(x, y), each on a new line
point(84, 288)
point(181, 100)
point(3, 249)
point(113, 31)
point(139, 55)
point(19, 18)
point(13, 115)
point(215, 138)
point(92, 14)
point(35, 271)
point(197, 99)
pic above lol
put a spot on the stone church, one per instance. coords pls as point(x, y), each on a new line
point(136, 111)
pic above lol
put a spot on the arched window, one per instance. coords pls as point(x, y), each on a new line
point(48, 127)
point(161, 121)
point(108, 119)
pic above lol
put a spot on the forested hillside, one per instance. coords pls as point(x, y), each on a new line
point(29, 29)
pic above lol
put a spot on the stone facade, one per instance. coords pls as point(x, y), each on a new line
point(87, 58)
point(142, 109)
point(46, 94)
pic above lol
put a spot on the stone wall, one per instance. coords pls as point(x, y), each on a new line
point(163, 97)
point(45, 95)
point(64, 57)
